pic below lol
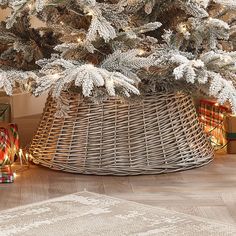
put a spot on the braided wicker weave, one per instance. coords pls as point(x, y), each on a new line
point(157, 134)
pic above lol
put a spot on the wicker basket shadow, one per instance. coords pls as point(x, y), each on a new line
point(156, 134)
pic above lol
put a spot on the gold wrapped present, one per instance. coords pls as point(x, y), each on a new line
point(231, 134)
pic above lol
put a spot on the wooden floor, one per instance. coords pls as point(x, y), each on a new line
point(209, 191)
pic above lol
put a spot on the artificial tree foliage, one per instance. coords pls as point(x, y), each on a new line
point(121, 47)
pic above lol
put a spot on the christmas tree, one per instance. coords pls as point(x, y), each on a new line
point(120, 47)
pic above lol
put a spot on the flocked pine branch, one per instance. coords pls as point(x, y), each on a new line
point(195, 71)
point(193, 8)
point(228, 3)
point(56, 64)
point(99, 25)
point(127, 63)
point(88, 77)
point(145, 28)
point(190, 70)
point(115, 14)
point(17, 6)
point(65, 48)
point(8, 79)
point(222, 89)
point(203, 3)
point(220, 61)
point(205, 32)
point(114, 44)
point(40, 4)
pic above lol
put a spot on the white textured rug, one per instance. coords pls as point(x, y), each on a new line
point(86, 213)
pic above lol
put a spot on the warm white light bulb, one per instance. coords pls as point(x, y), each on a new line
point(210, 18)
point(127, 29)
point(226, 60)
point(56, 75)
point(90, 13)
point(30, 6)
point(20, 152)
point(183, 28)
point(90, 65)
point(141, 52)
point(6, 157)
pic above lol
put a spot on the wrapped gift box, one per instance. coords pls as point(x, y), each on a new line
point(6, 174)
point(9, 146)
point(212, 116)
point(9, 143)
point(5, 113)
point(231, 134)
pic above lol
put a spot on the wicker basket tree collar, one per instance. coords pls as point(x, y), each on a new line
point(156, 134)
point(119, 48)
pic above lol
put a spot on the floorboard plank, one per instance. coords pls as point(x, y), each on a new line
point(208, 192)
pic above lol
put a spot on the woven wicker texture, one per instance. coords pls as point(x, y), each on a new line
point(156, 134)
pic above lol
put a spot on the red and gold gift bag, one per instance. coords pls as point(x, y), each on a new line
point(9, 143)
point(14, 135)
point(6, 174)
point(5, 144)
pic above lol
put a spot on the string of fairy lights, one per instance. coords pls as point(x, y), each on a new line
point(212, 115)
point(13, 159)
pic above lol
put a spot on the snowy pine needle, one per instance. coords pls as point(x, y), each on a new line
point(88, 77)
point(119, 47)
